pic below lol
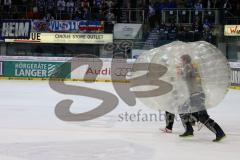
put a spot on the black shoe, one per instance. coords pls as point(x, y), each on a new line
point(186, 134)
point(219, 138)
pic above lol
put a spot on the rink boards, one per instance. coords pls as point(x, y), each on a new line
point(99, 70)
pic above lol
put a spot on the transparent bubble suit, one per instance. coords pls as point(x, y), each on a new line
point(209, 63)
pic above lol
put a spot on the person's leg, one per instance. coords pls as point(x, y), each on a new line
point(197, 101)
point(186, 119)
point(211, 125)
point(169, 120)
point(187, 125)
point(194, 118)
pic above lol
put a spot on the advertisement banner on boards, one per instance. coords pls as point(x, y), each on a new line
point(127, 31)
point(83, 26)
point(30, 69)
point(235, 75)
point(72, 38)
point(14, 29)
point(232, 30)
point(1, 68)
point(107, 71)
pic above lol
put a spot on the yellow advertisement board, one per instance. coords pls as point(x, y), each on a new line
point(72, 38)
point(232, 30)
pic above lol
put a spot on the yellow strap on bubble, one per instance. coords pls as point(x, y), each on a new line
point(196, 70)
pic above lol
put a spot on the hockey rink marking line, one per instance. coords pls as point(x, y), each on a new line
point(80, 80)
point(61, 79)
point(235, 87)
point(87, 130)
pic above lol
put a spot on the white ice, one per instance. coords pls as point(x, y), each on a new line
point(29, 129)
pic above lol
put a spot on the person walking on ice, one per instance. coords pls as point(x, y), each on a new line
point(196, 99)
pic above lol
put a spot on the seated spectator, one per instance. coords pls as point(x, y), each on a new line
point(33, 13)
point(50, 6)
point(7, 5)
point(171, 4)
point(77, 15)
point(117, 10)
point(86, 14)
point(189, 3)
point(162, 27)
point(198, 6)
point(207, 31)
point(206, 25)
point(61, 4)
point(41, 6)
point(70, 6)
point(109, 3)
point(104, 7)
point(98, 3)
point(84, 3)
point(197, 26)
point(48, 17)
point(151, 15)
point(100, 16)
point(110, 17)
point(173, 27)
point(227, 7)
point(77, 5)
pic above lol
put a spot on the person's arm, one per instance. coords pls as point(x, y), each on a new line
point(187, 72)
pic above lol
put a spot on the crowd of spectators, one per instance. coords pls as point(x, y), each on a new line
point(109, 10)
point(195, 32)
point(60, 9)
point(103, 9)
point(229, 5)
point(198, 8)
point(199, 28)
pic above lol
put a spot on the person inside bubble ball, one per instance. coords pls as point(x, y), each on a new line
point(189, 73)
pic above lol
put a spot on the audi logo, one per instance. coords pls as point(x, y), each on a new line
point(122, 71)
point(121, 45)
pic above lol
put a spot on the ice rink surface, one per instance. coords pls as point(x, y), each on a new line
point(30, 130)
